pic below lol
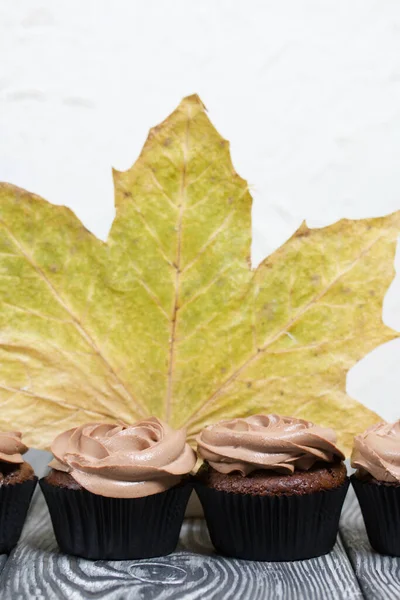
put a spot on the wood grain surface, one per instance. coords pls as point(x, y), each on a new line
point(378, 575)
point(35, 568)
point(3, 560)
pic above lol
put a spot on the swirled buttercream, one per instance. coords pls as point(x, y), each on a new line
point(11, 447)
point(269, 442)
point(124, 461)
point(376, 452)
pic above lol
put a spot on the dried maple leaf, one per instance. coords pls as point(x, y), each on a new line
point(167, 317)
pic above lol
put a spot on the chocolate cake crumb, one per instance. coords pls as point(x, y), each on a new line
point(11, 473)
point(62, 479)
point(270, 483)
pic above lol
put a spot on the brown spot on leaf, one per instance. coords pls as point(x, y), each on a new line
point(303, 233)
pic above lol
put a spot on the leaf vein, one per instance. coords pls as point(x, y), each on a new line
point(182, 202)
point(203, 289)
point(162, 189)
point(210, 240)
point(153, 235)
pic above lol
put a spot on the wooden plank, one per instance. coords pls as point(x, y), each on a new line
point(35, 569)
point(3, 560)
point(378, 576)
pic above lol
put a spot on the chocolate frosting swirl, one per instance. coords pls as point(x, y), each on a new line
point(124, 461)
point(268, 442)
point(377, 452)
point(11, 447)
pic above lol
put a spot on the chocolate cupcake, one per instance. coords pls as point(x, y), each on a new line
point(376, 456)
point(119, 491)
point(272, 487)
point(17, 484)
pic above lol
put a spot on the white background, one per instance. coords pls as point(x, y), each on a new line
point(308, 93)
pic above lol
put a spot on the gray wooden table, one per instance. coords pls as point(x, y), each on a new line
point(35, 568)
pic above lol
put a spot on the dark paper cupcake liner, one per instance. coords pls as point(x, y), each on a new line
point(380, 506)
point(272, 528)
point(100, 528)
point(14, 503)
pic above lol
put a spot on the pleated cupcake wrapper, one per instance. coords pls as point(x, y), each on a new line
point(272, 528)
point(100, 528)
point(380, 506)
point(14, 503)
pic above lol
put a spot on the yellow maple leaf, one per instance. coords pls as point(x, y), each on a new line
point(167, 317)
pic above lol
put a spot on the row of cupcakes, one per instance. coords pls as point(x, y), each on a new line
point(272, 488)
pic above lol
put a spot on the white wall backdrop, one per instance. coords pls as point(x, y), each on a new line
point(308, 93)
